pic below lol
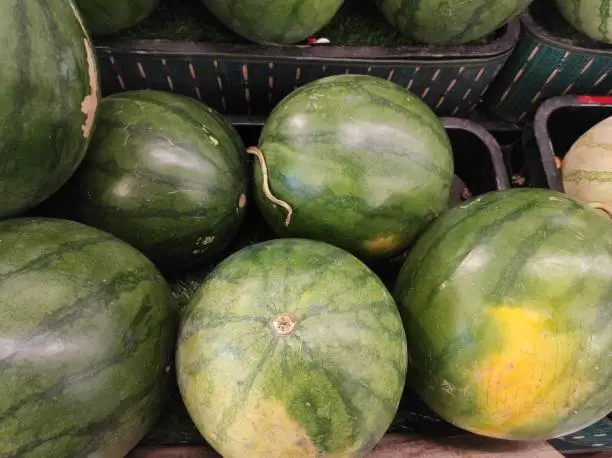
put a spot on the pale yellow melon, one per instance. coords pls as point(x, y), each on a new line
point(587, 167)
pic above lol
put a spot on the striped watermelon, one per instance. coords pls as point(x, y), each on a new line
point(353, 160)
point(587, 167)
point(591, 17)
point(49, 96)
point(165, 173)
point(292, 348)
point(450, 21)
point(87, 333)
point(107, 16)
point(507, 304)
point(275, 21)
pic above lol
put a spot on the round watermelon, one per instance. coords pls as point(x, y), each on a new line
point(507, 305)
point(292, 348)
point(87, 334)
point(165, 173)
point(450, 21)
point(592, 17)
point(104, 17)
point(353, 160)
point(49, 97)
point(587, 167)
point(275, 21)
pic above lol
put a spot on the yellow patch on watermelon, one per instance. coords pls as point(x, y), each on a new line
point(525, 383)
point(264, 429)
point(382, 245)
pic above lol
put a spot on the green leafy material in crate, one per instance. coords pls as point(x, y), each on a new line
point(359, 23)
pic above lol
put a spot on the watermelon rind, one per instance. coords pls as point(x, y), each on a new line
point(292, 347)
point(507, 305)
point(48, 99)
point(88, 328)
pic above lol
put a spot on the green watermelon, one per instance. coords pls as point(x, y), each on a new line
point(104, 17)
point(165, 173)
point(353, 160)
point(274, 21)
point(292, 348)
point(507, 305)
point(592, 17)
point(48, 99)
point(450, 21)
point(87, 329)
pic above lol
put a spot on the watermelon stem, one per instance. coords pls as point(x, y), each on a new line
point(266, 186)
point(284, 324)
point(603, 207)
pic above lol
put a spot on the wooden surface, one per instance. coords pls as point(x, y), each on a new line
point(399, 447)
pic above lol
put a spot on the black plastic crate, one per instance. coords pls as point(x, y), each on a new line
point(558, 123)
point(551, 59)
point(250, 79)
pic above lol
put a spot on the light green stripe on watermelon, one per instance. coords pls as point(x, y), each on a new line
point(368, 182)
point(107, 16)
point(331, 385)
point(87, 326)
point(506, 307)
point(274, 21)
point(587, 175)
point(450, 21)
point(592, 17)
point(48, 99)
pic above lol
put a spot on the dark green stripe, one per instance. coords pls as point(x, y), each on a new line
point(19, 16)
point(526, 249)
point(228, 417)
point(478, 238)
point(604, 14)
point(58, 254)
point(102, 295)
point(57, 43)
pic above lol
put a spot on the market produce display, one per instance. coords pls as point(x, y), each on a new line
point(300, 284)
point(87, 331)
point(506, 304)
point(274, 21)
point(105, 17)
point(450, 21)
point(353, 160)
point(292, 348)
point(165, 173)
point(593, 18)
point(47, 105)
point(587, 167)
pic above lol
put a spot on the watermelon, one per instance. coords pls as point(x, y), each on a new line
point(104, 17)
point(274, 21)
point(355, 161)
point(450, 22)
point(587, 167)
point(48, 99)
point(87, 332)
point(165, 173)
point(290, 348)
point(507, 305)
point(592, 17)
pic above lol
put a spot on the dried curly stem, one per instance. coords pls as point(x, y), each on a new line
point(266, 186)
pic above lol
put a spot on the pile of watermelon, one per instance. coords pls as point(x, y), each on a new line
point(289, 344)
